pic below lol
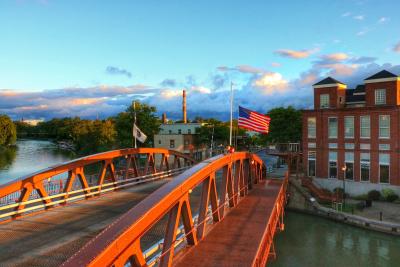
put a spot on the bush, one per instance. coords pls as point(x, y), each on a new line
point(389, 195)
point(361, 197)
point(374, 195)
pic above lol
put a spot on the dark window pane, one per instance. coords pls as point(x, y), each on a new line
point(332, 170)
point(384, 173)
point(349, 171)
point(364, 172)
point(311, 168)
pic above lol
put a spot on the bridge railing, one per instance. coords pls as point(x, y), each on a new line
point(87, 177)
point(121, 242)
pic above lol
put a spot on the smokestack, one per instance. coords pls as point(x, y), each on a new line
point(164, 118)
point(184, 106)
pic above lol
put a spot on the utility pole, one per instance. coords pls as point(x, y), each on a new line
point(134, 124)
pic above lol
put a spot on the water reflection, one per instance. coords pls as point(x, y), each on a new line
point(30, 156)
point(313, 241)
point(7, 156)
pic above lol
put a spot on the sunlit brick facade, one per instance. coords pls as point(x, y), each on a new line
point(357, 129)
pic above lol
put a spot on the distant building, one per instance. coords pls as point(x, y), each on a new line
point(180, 136)
point(32, 122)
point(354, 134)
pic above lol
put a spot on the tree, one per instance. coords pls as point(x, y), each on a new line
point(285, 125)
point(8, 131)
point(146, 120)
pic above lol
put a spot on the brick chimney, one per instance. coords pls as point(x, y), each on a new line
point(164, 118)
point(184, 106)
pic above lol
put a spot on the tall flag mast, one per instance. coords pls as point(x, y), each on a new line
point(134, 117)
point(230, 129)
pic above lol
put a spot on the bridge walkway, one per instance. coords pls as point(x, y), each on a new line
point(236, 240)
point(49, 238)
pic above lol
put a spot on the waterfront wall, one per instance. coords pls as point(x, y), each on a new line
point(354, 188)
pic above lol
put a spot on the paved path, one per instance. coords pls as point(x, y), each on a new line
point(235, 240)
point(49, 238)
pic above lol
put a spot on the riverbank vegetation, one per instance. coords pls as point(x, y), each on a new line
point(8, 132)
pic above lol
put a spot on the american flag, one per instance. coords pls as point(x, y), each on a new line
point(253, 121)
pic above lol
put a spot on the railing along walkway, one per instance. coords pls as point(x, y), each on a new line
point(238, 239)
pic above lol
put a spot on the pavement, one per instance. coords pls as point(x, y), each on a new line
point(390, 211)
point(49, 238)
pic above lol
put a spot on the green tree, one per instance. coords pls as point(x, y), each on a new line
point(146, 120)
point(285, 125)
point(8, 131)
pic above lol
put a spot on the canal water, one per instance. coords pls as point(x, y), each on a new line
point(29, 156)
point(313, 241)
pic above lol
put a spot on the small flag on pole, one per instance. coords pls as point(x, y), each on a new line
point(253, 121)
point(138, 134)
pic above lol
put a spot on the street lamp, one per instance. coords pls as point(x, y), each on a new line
point(344, 185)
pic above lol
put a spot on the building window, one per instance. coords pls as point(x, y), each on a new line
point(332, 145)
point(349, 146)
point(312, 145)
point(311, 163)
point(384, 146)
point(189, 131)
point(380, 96)
point(384, 126)
point(364, 166)
point(365, 127)
point(312, 129)
point(171, 143)
point(170, 131)
point(384, 167)
point(332, 164)
point(159, 142)
point(349, 127)
point(179, 131)
point(365, 146)
point(349, 163)
point(332, 124)
point(324, 101)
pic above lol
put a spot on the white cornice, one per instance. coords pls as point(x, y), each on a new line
point(391, 79)
point(341, 86)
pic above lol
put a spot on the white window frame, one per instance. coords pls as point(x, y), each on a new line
point(337, 125)
point(315, 127)
point(369, 128)
point(324, 97)
point(379, 124)
point(344, 123)
point(379, 168)
point(348, 161)
point(329, 165)
point(380, 96)
point(369, 168)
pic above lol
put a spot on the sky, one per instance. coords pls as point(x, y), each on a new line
point(62, 58)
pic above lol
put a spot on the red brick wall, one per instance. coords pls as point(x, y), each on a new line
point(333, 99)
point(322, 140)
point(392, 96)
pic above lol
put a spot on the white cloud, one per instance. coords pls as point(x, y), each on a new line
point(359, 17)
point(296, 54)
point(271, 82)
point(396, 48)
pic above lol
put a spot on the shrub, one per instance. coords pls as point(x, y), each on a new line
point(361, 197)
point(389, 195)
point(374, 195)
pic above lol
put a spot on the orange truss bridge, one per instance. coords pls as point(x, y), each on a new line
point(143, 207)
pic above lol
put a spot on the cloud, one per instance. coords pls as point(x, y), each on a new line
point(396, 48)
point(335, 57)
point(362, 60)
point(296, 54)
point(168, 83)
point(383, 19)
point(276, 64)
point(346, 14)
point(117, 71)
point(242, 69)
point(363, 32)
point(359, 17)
point(271, 83)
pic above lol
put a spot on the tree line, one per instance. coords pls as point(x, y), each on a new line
point(91, 136)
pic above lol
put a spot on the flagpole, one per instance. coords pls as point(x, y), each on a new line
point(230, 129)
point(134, 117)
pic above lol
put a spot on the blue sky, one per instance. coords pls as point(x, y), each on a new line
point(89, 58)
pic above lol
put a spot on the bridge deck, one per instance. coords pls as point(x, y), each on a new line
point(235, 240)
point(49, 238)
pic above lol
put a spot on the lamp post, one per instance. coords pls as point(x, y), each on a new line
point(344, 185)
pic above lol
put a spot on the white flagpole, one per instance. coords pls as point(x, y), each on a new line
point(230, 129)
point(134, 116)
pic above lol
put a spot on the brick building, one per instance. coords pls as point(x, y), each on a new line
point(354, 134)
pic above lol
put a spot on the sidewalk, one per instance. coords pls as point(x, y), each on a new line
point(390, 211)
